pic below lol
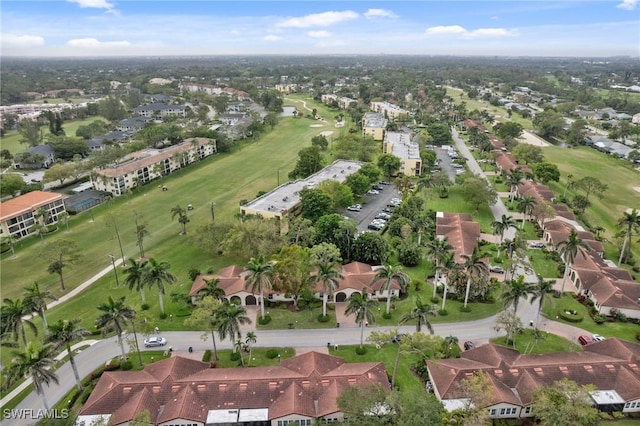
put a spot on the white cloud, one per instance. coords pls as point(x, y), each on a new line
point(96, 4)
point(323, 19)
point(494, 18)
point(22, 40)
point(330, 43)
point(96, 44)
point(443, 30)
point(461, 32)
point(319, 34)
point(272, 38)
point(379, 13)
point(628, 4)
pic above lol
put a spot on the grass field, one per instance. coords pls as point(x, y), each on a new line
point(455, 203)
point(548, 343)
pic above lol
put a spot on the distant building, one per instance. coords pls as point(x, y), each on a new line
point(389, 110)
point(400, 145)
point(47, 154)
point(159, 110)
point(215, 90)
point(146, 165)
point(302, 390)
point(17, 214)
point(285, 199)
point(375, 125)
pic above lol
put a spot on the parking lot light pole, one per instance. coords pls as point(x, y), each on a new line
point(115, 271)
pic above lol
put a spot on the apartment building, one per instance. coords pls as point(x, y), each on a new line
point(146, 165)
point(17, 215)
point(375, 125)
point(390, 111)
point(400, 145)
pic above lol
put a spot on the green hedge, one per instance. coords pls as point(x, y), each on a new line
point(206, 357)
point(272, 353)
point(264, 320)
point(570, 317)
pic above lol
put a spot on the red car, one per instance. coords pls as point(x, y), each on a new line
point(585, 340)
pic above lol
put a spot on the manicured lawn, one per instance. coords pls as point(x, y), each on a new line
point(547, 343)
point(454, 203)
point(530, 231)
point(499, 113)
point(500, 187)
point(543, 263)
point(282, 318)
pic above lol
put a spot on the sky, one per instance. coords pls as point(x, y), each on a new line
point(86, 28)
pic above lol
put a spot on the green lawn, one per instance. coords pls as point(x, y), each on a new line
point(499, 113)
point(500, 187)
point(454, 203)
point(547, 343)
point(543, 263)
point(283, 318)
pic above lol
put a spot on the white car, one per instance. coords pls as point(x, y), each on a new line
point(373, 192)
point(355, 208)
point(598, 338)
point(155, 341)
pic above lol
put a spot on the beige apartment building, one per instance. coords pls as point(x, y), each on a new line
point(400, 145)
point(375, 125)
point(390, 111)
point(18, 215)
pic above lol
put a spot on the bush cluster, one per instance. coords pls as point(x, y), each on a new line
point(264, 320)
point(206, 357)
point(272, 353)
point(361, 350)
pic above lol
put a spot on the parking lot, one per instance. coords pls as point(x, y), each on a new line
point(372, 205)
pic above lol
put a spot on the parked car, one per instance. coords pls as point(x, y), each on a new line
point(585, 340)
point(373, 192)
point(598, 338)
point(376, 226)
point(378, 187)
point(398, 337)
point(355, 208)
point(496, 268)
point(155, 341)
point(387, 209)
point(468, 345)
point(384, 182)
point(383, 215)
point(537, 244)
point(429, 386)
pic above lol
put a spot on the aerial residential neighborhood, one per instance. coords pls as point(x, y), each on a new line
point(375, 220)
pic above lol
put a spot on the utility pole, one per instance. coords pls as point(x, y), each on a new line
point(115, 270)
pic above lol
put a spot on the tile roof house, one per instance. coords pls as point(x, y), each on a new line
point(184, 391)
point(358, 277)
point(506, 162)
point(541, 192)
point(48, 158)
point(612, 366)
point(159, 109)
point(460, 231)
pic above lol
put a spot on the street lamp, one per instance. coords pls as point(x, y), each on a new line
point(115, 271)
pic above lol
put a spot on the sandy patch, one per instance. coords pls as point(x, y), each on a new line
point(326, 133)
point(315, 125)
point(531, 139)
point(636, 188)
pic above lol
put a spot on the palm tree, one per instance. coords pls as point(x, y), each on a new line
point(134, 277)
point(437, 250)
point(260, 276)
point(11, 240)
point(182, 217)
point(448, 263)
point(37, 363)
point(420, 313)
point(211, 289)
point(230, 317)
point(513, 180)
point(328, 274)
point(541, 291)
point(390, 273)
point(526, 205)
point(65, 333)
point(362, 306)
point(115, 314)
point(569, 250)
point(473, 266)
point(629, 222)
point(514, 290)
point(156, 274)
point(35, 300)
point(250, 340)
point(64, 218)
point(40, 229)
point(12, 319)
point(501, 226)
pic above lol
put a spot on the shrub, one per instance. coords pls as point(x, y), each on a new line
point(435, 299)
point(570, 317)
point(622, 317)
point(386, 315)
point(409, 255)
point(144, 306)
point(193, 273)
point(85, 394)
point(599, 319)
point(443, 312)
point(417, 284)
point(323, 318)
point(361, 350)
point(163, 315)
point(235, 356)
point(207, 356)
point(272, 353)
point(264, 320)
point(465, 308)
point(126, 365)
point(112, 365)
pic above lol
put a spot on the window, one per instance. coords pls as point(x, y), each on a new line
point(527, 410)
point(492, 412)
point(502, 411)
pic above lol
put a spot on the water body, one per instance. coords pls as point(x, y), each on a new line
point(287, 111)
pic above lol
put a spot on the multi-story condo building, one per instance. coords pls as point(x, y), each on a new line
point(146, 165)
point(18, 215)
point(375, 125)
point(390, 111)
point(400, 145)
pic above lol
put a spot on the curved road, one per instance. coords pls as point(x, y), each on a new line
point(479, 331)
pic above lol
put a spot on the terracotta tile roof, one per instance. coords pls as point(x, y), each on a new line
point(231, 280)
point(460, 231)
point(178, 388)
point(611, 364)
point(26, 203)
point(563, 211)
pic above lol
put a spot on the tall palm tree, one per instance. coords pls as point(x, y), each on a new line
point(474, 268)
point(437, 250)
point(390, 273)
point(260, 275)
point(231, 317)
point(12, 320)
point(211, 289)
point(629, 222)
point(526, 205)
point(65, 333)
point(362, 306)
point(115, 315)
point(569, 250)
point(182, 217)
point(250, 339)
point(448, 264)
point(156, 274)
point(134, 277)
point(541, 291)
point(37, 363)
point(328, 274)
point(514, 290)
point(420, 313)
point(513, 180)
point(35, 300)
point(501, 226)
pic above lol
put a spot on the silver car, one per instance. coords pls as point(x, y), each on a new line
point(155, 341)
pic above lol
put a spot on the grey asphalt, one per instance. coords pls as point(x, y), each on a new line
point(372, 205)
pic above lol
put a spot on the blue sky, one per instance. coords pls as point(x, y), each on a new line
point(210, 27)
